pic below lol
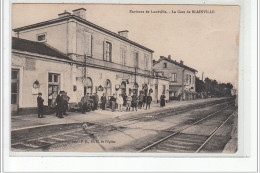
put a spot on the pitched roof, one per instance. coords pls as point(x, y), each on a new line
point(176, 63)
point(71, 16)
point(36, 47)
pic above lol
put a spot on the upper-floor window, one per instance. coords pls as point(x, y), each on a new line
point(146, 61)
point(108, 51)
point(88, 44)
point(187, 78)
point(190, 79)
point(173, 77)
point(136, 59)
point(41, 37)
point(193, 79)
point(164, 65)
point(123, 55)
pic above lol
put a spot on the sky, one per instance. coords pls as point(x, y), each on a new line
point(207, 42)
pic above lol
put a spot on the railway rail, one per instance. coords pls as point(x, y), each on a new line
point(186, 143)
point(45, 141)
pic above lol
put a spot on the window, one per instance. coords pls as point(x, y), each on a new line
point(15, 86)
point(136, 55)
point(108, 51)
point(53, 87)
point(164, 87)
point(41, 37)
point(145, 61)
point(88, 44)
point(123, 55)
point(193, 79)
point(164, 65)
point(173, 77)
point(190, 79)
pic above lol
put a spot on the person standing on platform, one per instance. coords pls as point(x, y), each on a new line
point(141, 99)
point(148, 101)
point(128, 102)
point(162, 100)
point(96, 100)
point(144, 100)
point(120, 102)
point(103, 101)
point(59, 106)
point(40, 105)
point(134, 102)
point(113, 101)
point(66, 99)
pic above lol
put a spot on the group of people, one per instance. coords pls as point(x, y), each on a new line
point(129, 101)
point(91, 102)
point(62, 101)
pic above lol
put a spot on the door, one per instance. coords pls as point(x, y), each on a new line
point(14, 91)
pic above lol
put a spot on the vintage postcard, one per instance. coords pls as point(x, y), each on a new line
point(124, 78)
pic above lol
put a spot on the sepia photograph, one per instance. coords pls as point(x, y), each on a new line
point(124, 78)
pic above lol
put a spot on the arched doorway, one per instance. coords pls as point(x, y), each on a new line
point(123, 88)
point(108, 88)
point(135, 88)
point(88, 86)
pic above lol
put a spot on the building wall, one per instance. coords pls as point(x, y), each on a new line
point(173, 68)
point(56, 35)
point(32, 69)
point(71, 37)
point(98, 39)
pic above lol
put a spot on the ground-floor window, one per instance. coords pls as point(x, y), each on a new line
point(15, 87)
point(88, 88)
point(135, 89)
point(53, 87)
point(145, 89)
point(164, 88)
point(108, 88)
point(123, 88)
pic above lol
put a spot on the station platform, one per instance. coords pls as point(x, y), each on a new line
point(32, 121)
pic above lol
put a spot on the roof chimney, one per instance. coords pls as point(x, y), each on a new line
point(169, 57)
point(161, 57)
point(181, 62)
point(81, 12)
point(65, 13)
point(123, 33)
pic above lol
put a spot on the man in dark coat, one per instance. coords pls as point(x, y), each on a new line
point(40, 105)
point(148, 101)
point(134, 102)
point(65, 101)
point(60, 104)
point(141, 99)
point(113, 102)
point(103, 101)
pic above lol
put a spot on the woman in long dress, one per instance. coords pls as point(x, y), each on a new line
point(162, 100)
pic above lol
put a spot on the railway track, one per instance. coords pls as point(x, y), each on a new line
point(184, 142)
point(45, 141)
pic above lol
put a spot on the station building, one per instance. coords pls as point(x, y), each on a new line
point(181, 78)
point(72, 54)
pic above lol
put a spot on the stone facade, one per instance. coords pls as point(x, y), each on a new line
point(97, 57)
point(181, 78)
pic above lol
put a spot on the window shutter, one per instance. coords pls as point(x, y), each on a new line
point(104, 50)
point(110, 52)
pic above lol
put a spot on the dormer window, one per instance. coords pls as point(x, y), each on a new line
point(41, 37)
point(164, 65)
